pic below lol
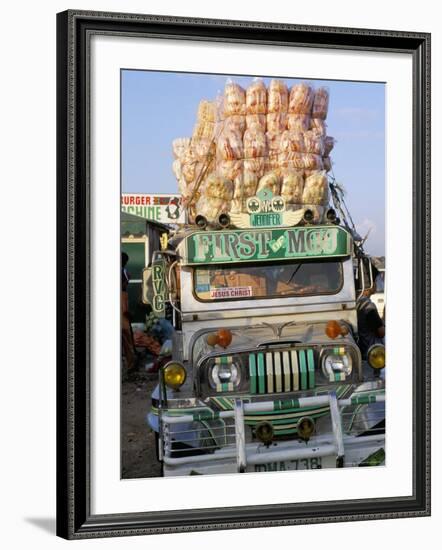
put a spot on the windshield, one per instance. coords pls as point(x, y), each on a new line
point(241, 282)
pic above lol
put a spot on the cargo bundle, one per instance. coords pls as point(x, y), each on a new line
point(271, 138)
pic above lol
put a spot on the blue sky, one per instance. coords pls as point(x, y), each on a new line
point(158, 107)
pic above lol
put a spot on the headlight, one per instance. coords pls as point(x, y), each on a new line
point(224, 375)
point(376, 356)
point(174, 375)
point(337, 364)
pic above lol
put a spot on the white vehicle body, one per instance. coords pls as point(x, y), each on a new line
point(278, 361)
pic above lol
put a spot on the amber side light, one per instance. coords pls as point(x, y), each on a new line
point(224, 337)
point(333, 329)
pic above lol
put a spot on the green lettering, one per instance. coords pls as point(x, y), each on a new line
point(157, 272)
point(158, 303)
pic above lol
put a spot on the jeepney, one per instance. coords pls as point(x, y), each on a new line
point(266, 371)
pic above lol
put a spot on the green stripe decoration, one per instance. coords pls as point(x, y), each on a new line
point(206, 415)
point(252, 372)
point(261, 374)
point(284, 404)
point(288, 412)
point(311, 368)
point(224, 360)
point(339, 376)
point(303, 369)
point(364, 399)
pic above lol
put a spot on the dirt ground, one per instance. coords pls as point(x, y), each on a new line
point(137, 439)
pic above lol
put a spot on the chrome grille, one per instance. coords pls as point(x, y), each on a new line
point(281, 371)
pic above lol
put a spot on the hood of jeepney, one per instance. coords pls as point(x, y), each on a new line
point(245, 338)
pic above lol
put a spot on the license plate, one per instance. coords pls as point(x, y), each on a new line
point(312, 463)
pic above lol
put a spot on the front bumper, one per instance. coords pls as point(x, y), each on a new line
point(202, 441)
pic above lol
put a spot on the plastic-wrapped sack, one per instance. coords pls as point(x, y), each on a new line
point(238, 206)
point(291, 160)
point(271, 164)
point(191, 191)
point(193, 171)
point(230, 169)
point(326, 161)
point(298, 123)
point(301, 99)
point(311, 161)
point(291, 142)
point(218, 187)
point(277, 97)
point(313, 143)
point(292, 186)
point(273, 142)
point(276, 122)
point(176, 169)
point(179, 146)
point(320, 103)
point(230, 146)
point(270, 181)
point(316, 189)
point(203, 148)
point(259, 121)
point(206, 111)
point(247, 187)
point(234, 99)
point(329, 143)
point(319, 126)
point(203, 130)
point(189, 166)
point(255, 143)
point(235, 123)
point(256, 98)
point(182, 188)
point(210, 208)
point(255, 167)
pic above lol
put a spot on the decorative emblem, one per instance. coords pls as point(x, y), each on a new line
point(265, 210)
point(253, 205)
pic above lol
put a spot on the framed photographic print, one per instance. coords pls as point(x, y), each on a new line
point(243, 231)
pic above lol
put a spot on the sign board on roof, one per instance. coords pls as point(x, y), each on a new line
point(252, 245)
point(160, 208)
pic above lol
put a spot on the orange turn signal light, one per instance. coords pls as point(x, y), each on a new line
point(333, 329)
point(224, 337)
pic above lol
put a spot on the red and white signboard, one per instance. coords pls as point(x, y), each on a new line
point(160, 208)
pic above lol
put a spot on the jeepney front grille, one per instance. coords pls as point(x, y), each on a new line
point(281, 371)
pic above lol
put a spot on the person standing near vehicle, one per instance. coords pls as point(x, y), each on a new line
point(127, 342)
point(371, 328)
